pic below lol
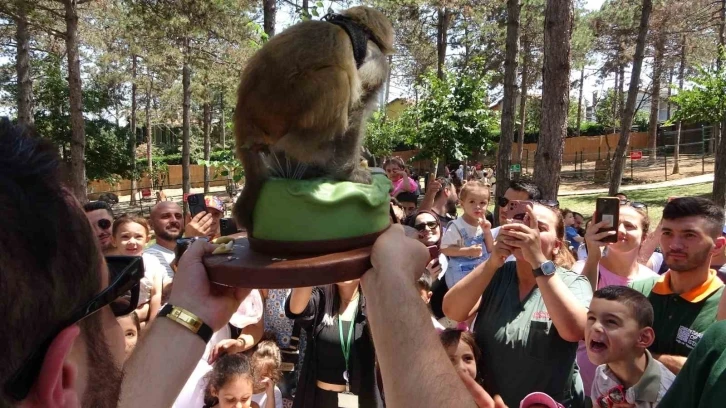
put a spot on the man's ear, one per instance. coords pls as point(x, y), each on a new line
point(428, 295)
point(56, 384)
point(646, 337)
point(718, 245)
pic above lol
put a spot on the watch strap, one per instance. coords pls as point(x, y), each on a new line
point(187, 319)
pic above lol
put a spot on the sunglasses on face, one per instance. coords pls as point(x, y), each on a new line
point(104, 224)
point(122, 295)
point(432, 225)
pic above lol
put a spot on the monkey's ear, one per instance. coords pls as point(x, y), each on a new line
point(378, 24)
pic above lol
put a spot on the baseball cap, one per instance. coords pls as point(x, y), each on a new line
point(214, 202)
point(539, 398)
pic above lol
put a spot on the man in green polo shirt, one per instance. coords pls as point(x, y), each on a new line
point(685, 299)
point(700, 383)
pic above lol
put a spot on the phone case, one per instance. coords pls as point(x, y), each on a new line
point(196, 204)
point(518, 209)
point(608, 209)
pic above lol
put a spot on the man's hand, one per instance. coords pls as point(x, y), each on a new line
point(397, 252)
point(199, 226)
point(433, 185)
point(214, 304)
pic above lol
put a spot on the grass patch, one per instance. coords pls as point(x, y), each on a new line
point(655, 199)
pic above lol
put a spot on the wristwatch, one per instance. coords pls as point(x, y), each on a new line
point(188, 320)
point(548, 268)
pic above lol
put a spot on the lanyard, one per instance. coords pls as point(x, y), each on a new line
point(346, 345)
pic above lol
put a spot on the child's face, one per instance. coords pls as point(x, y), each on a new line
point(462, 357)
point(475, 202)
point(612, 333)
point(235, 393)
point(394, 172)
point(130, 239)
point(569, 219)
point(131, 333)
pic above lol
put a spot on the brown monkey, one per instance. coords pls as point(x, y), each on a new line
point(303, 100)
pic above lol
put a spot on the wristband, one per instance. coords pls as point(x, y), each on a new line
point(188, 320)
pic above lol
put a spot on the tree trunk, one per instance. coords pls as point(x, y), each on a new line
point(77, 179)
point(655, 99)
point(579, 100)
point(504, 154)
point(619, 162)
point(523, 102)
point(207, 123)
point(222, 120)
point(305, 8)
point(132, 135)
point(148, 129)
point(681, 71)
point(555, 97)
point(186, 102)
point(22, 67)
point(442, 39)
point(670, 82)
point(621, 93)
point(269, 13)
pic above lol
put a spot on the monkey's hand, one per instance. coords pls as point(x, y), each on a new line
point(360, 175)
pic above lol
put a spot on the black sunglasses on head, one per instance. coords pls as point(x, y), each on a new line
point(504, 201)
point(122, 295)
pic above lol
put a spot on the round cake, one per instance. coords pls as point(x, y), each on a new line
point(319, 215)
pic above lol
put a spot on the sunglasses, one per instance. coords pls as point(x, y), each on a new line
point(634, 204)
point(432, 225)
point(122, 295)
point(104, 224)
point(504, 201)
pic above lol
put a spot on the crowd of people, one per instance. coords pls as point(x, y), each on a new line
point(469, 310)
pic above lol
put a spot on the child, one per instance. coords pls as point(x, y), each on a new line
point(131, 327)
point(539, 400)
point(129, 236)
point(396, 172)
point(571, 234)
point(266, 361)
point(230, 384)
point(617, 335)
point(468, 240)
point(461, 348)
point(409, 202)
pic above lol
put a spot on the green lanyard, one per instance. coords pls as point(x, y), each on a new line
point(346, 345)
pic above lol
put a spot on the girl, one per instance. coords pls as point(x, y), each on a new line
point(396, 172)
point(129, 236)
point(339, 355)
point(131, 327)
point(266, 361)
point(230, 384)
point(468, 240)
point(462, 349)
point(618, 266)
point(531, 313)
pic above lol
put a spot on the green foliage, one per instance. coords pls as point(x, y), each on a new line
point(226, 165)
point(452, 118)
point(384, 134)
point(706, 101)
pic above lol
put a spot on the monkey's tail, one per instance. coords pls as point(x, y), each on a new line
point(255, 175)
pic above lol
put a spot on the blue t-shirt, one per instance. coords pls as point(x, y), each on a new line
point(570, 234)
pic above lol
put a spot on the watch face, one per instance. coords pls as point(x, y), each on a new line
point(548, 268)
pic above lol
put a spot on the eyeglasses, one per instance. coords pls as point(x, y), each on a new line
point(122, 295)
point(104, 224)
point(432, 225)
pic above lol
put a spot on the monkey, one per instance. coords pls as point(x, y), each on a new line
point(303, 100)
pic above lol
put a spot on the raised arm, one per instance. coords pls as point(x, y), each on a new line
point(593, 239)
point(432, 188)
point(401, 329)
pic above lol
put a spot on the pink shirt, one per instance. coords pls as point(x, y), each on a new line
point(606, 278)
point(398, 186)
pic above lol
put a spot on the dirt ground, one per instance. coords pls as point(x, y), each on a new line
point(642, 173)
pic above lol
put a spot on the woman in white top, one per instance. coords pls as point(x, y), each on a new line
point(618, 266)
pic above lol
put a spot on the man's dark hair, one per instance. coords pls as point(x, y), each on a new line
point(425, 282)
point(49, 263)
point(97, 205)
point(696, 207)
point(406, 197)
point(622, 194)
point(445, 183)
point(531, 189)
point(575, 214)
point(639, 305)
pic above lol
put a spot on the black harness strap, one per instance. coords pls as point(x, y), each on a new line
point(358, 36)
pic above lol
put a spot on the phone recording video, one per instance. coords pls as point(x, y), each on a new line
point(608, 209)
point(517, 210)
point(196, 203)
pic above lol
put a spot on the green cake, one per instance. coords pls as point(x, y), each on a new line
point(322, 210)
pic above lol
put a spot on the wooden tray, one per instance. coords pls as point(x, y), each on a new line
point(246, 268)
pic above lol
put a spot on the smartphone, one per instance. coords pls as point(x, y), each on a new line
point(434, 252)
point(196, 203)
point(182, 244)
point(227, 226)
point(517, 209)
point(608, 209)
